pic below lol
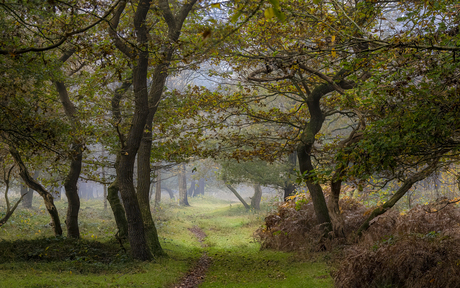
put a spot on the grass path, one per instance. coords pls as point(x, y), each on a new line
point(31, 257)
point(236, 258)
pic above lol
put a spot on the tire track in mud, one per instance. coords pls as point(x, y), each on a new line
point(196, 276)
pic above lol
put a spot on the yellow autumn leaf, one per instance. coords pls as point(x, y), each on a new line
point(333, 39)
point(215, 5)
point(269, 13)
point(333, 53)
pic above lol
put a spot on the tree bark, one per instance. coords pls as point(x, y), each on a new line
point(158, 188)
point(255, 201)
point(47, 197)
point(143, 189)
point(183, 200)
point(117, 209)
point(238, 196)
point(410, 181)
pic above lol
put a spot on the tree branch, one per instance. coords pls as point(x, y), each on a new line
point(62, 39)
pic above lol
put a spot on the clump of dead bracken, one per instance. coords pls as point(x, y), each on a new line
point(420, 248)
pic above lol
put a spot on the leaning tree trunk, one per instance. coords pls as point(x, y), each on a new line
point(238, 196)
point(143, 188)
point(408, 183)
point(255, 200)
point(47, 197)
point(183, 200)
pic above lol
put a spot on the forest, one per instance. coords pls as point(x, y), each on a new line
point(239, 143)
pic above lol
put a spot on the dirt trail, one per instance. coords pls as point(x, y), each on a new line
point(196, 276)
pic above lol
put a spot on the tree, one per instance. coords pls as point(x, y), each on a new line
point(182, 180)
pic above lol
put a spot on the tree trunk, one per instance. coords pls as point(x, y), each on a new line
point(288, 190)
point(289, 186)
point(170, 192)
point(71, 191)
point(104, 196)
point(9, 210)
point(125, 170)
point(316, 192)
point(304, 149)
point(118, 210)
point(183, 201)
point(47, 197)
point(143, 189)
point(144, 102)
point(398, 195)
point(76, 156)
point(28, 196)
point(191, 190)
point(238, 196)
point(255, 201)
point(201, 185)
point(158, 188)
point(338, 222)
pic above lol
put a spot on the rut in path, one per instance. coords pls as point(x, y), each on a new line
point(196, 276)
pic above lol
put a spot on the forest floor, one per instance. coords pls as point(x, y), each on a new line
point(209, 243)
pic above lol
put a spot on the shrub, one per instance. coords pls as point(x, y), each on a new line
point(418, 249)
point(294, 225)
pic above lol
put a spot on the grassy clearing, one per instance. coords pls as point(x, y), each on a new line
point(31, 257)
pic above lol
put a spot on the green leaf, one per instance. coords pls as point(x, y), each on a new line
point(280, 15)
point(236, 16)
point(275, 3)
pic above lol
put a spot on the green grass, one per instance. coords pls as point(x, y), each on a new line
point(30, 256)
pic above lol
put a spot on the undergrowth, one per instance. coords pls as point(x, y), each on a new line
point(419, 248)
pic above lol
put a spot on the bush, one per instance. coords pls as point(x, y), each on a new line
point(294, 226)
point(419, 249)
